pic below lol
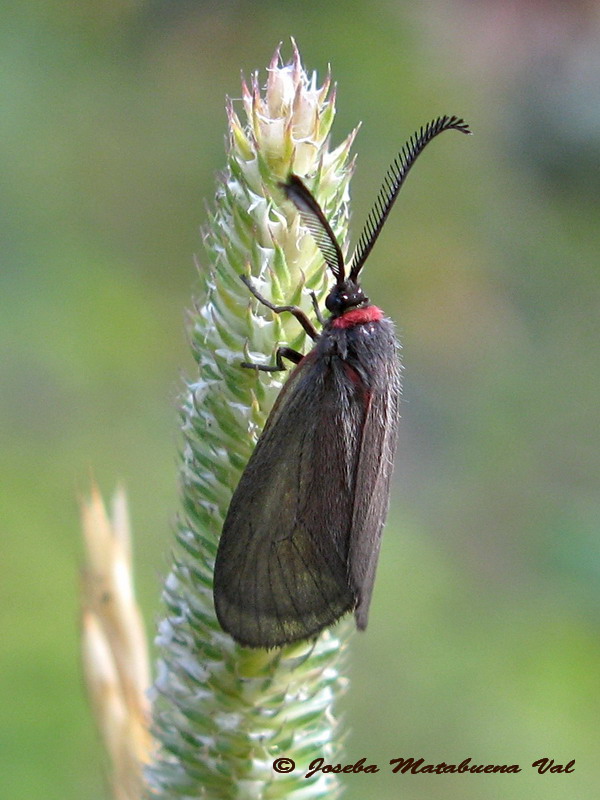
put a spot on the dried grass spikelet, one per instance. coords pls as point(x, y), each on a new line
point(114, 648)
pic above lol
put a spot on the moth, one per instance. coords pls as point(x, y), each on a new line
point(301, 539)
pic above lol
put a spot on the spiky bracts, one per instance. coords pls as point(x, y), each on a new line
point(223, 713)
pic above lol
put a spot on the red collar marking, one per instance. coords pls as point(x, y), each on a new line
point(358, 316)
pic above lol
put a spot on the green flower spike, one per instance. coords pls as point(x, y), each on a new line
point(224, 713)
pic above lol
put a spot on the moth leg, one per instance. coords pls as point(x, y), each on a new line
point(280, 353)
point(315, 303)
point(297, 312)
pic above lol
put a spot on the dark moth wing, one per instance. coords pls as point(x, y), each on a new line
point(375, 462)
point(280, 573)
point(286, 567)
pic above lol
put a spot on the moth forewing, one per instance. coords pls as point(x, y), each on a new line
point(277, 578)
point(374, 472)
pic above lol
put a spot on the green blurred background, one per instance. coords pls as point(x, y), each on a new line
point(484, 632)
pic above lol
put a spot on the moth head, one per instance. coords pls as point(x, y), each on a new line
point(345, 296)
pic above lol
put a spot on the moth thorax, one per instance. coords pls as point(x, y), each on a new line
point(345, 296)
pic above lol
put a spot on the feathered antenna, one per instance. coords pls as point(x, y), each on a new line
point(392, 183)
point(316, 222)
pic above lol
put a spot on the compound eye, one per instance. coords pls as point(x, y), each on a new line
point(332, 303)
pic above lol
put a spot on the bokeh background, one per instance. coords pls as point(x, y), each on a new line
point(484, 633)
